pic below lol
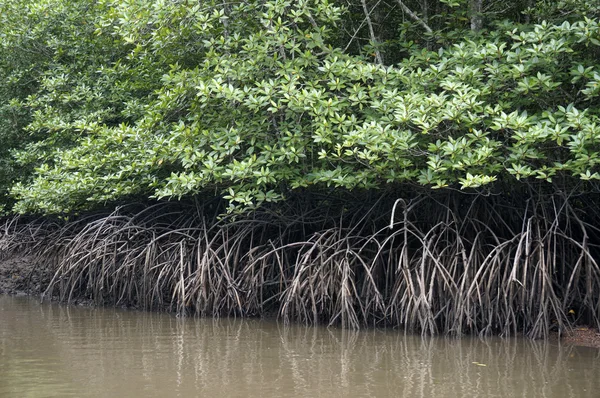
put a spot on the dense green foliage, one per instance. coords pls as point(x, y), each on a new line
point(106, 100)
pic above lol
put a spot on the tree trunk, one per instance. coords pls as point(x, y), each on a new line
point(476, 13)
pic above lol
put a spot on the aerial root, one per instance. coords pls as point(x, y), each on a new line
point(439, 268)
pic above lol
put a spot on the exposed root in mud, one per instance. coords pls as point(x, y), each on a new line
point(447, 265)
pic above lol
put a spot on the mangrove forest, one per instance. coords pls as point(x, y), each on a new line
point(427, 165)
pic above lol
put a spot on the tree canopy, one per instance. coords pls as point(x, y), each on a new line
point(251, 100)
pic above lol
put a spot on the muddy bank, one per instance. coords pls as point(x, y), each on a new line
point(25, 275)
point(582, 336)
point(22, 275)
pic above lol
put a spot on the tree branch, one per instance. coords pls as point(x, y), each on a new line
point(371, 32)
point(414, 16)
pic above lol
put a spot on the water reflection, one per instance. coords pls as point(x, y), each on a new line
point(51, 350)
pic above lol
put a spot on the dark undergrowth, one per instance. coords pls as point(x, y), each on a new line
point(454, 264)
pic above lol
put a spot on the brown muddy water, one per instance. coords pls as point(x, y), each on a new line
point(52, 350)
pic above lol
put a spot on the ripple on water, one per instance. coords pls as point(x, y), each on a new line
point(50, 350)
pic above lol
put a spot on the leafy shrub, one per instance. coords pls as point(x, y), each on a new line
point(250, 100)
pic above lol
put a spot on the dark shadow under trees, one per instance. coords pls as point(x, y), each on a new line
point(441, 263)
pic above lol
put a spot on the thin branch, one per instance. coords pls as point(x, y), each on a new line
point(371, 31)
point(414, 16)
point(354, 35)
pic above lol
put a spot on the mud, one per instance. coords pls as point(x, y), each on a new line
point(582, 336)
point(21, 275)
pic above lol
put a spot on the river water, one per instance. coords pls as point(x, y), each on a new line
point(52, 350)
